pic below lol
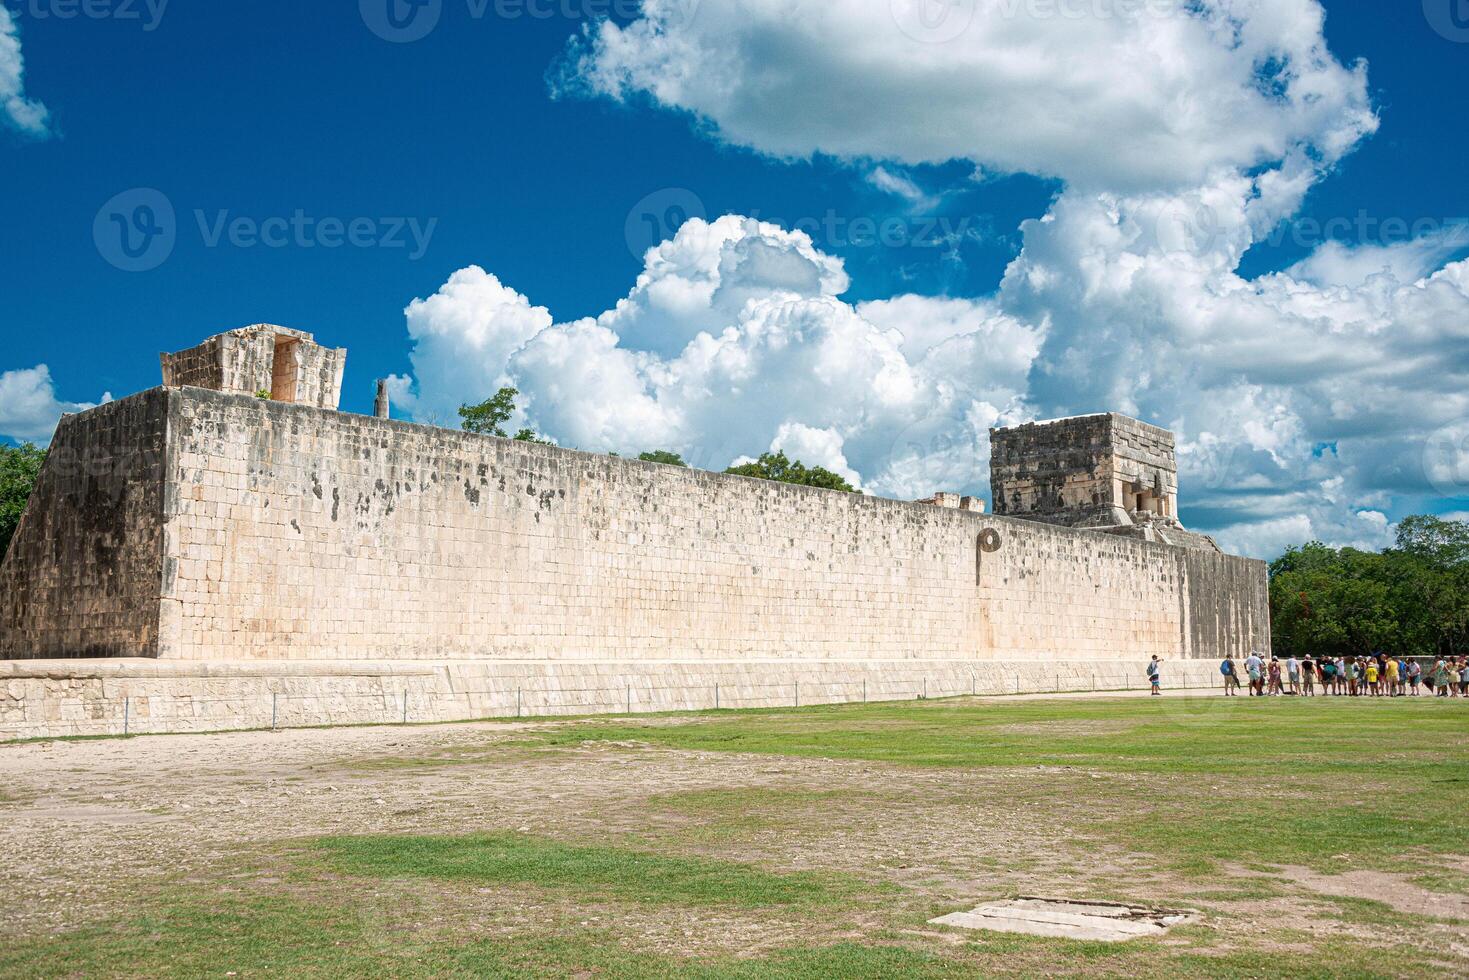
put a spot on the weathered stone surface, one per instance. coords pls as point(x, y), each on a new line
point(83, 575)
point(40, 698)
point(273, 531)
point(1104, 472)
point(284, 363)
point(279, 531)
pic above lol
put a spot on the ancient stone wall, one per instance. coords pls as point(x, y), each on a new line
point(317, 535)
point(83, 575)
point(295, 533)
point(1083, 472)
point(47, 699)
point(200, 367)
point(287, 364)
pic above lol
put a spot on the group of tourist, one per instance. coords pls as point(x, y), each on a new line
point(1379, 676)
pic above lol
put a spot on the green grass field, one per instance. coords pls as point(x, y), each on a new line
point(818, 842)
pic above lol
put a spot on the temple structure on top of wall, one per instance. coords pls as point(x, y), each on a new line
point(264, 360)
point(203, 522)
point(1103, 472)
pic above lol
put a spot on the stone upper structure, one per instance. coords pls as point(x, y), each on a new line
point(187, 524)
point(954, 501)
point(287, 365)
point(1103, 472)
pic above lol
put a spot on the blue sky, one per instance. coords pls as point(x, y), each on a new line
point(484, 144)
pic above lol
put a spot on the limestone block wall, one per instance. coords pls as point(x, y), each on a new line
point(287, 363)
point(40, 699)
point(314, 535)
point(1080, 471)
point(285, 532)
point(84, 571)
point(1228, 603)
point(202, 366)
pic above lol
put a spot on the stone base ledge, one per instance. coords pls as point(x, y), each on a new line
point(58, 698)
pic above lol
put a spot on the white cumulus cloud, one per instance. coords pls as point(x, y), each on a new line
point(29, 408)
point(734, 341)
point(26, 115)
point(1184, 134)
point(1123, 95)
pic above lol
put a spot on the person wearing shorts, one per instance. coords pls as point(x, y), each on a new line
point(1415, 676)
point(1308, 677)
point(1253, 666)
point(1155, 675)
point(1231, 676)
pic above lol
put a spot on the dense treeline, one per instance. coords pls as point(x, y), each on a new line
point(19, 467)
point(1412, 599)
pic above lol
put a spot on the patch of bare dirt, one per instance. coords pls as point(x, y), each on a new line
point(1393, 890)
point(89, 822)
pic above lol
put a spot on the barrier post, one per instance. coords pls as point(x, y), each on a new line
point(405, 707)
point(125, 712)
point(273, 697)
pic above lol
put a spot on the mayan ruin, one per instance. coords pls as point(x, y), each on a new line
point(201, 529)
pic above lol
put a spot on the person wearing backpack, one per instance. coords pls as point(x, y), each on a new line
point(1231, 676)
point(1155, 675)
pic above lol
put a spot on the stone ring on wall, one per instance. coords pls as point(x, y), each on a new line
point(989, 541)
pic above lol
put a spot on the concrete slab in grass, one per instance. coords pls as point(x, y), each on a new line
point(1063, 918)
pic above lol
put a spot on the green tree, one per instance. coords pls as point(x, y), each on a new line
point(489, 416)
point(663, 456)
point(1443, 543)
point(775, 466)
point(19, 467)
point(529, 435)
point(1411, 599)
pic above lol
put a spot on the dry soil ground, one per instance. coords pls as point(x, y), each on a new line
point(100, 833)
